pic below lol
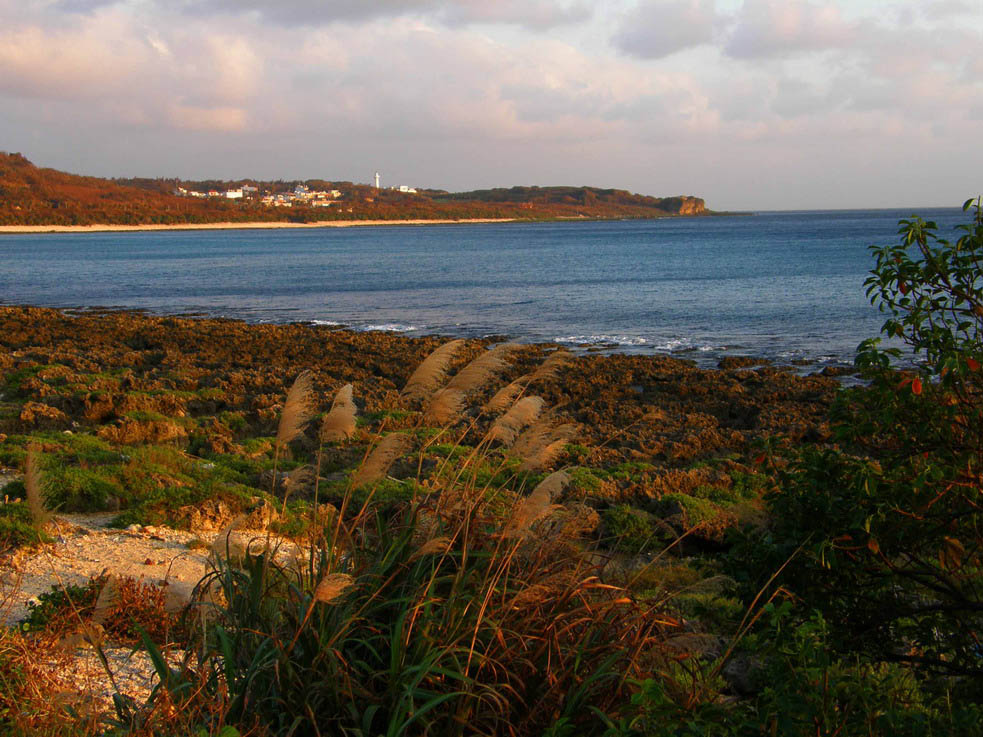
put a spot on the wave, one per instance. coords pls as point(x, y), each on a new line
point(601, 340)
point(390, 327)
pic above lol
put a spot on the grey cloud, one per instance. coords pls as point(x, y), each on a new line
point(658, 28)
point(534, 14)
point(82, 6)
point(773, 28)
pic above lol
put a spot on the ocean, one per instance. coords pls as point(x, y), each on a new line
point(786, 286)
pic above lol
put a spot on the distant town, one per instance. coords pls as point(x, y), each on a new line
point(301, 195)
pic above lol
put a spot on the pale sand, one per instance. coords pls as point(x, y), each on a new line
point(15, 229)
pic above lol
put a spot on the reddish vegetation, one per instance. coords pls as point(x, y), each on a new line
point(33, 196)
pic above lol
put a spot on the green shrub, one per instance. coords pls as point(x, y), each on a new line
point(16, 526)
point(631, 530)
point(73, 489)
point(884, 533)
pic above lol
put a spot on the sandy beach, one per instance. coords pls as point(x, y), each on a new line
point(22, 229)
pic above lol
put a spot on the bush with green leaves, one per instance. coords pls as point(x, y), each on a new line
point(884, 530)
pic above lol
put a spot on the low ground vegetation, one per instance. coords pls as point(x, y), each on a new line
point(508, 541)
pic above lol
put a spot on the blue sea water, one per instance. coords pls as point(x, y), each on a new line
point(783, 285)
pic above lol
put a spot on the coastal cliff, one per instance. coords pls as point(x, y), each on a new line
point(33, 196)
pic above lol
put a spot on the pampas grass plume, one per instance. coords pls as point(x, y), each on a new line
point(538, 504)
point(297, 409)
point(433, 546)
point(107, 599)
point(331, 586)
point(446, 406)
point(482, 369)
point(385, 454)
point(524, 412)
point(339, 423)
point(506, 396)
point(32, 486)
point(553, 363)
point(430, 374)
point(223, 546)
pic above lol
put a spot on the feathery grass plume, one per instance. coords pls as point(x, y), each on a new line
point(540, 434)
point(381, 458)
point(506, 396)
point(482, 369)
point(32, 485)
point(538, 504)
point(544, 457)
point(553, 363)
point(445, 407)
point(433, 546)
point(540, 444)
point(224, 547)
point(297, 409)
point(107, 599)
point(331, 586)
point(430, 374)
point(339, 423)
point(298, 478)
point(524, 412)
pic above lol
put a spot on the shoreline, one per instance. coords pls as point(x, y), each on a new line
point(842, 370)
point(260, 225)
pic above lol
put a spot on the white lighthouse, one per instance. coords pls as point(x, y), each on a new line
point(378, 178)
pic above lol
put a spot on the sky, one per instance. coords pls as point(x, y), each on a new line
point(750, 104)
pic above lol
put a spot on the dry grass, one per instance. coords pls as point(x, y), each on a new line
point(445, 408)
point(339, 423)
point(507, 427)
point(537, 505)
point(431, 373)
point(381, 458)
point(482, 370)
point(297, 409)
point(34, 490)
point(506, 396)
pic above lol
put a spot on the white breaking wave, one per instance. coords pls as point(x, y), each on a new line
point(601, 340)
point(391, 327)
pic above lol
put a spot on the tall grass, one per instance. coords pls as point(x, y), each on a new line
point(463, 611)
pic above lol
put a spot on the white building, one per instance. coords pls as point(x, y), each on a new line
point(233, 194)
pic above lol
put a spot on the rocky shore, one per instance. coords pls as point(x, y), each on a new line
point(90, 370)
point(158, 432)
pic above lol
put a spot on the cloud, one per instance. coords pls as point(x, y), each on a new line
point(658, 28)
point(533, 14)
point(773, 28)
point(189, 117)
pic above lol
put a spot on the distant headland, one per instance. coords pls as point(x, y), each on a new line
point(33, 199)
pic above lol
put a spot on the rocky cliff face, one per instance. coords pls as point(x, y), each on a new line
point(684, 205)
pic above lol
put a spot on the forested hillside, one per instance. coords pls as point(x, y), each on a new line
point(30, 195)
